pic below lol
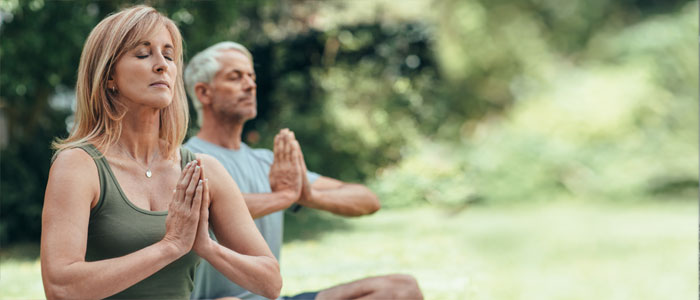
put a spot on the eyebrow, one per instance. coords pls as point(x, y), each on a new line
point(147, 43)
point(239, 71)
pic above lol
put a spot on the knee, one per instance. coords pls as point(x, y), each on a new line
point(404, 286)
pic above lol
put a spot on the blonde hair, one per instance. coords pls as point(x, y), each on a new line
point(204, 65)
point(99, 112)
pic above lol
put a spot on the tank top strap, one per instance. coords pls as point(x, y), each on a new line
point(186, 156)
point(103, 172)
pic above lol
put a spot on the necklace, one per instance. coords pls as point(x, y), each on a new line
point(148, 167)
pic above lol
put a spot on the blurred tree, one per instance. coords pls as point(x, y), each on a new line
point(362, 90)
point(40, 51)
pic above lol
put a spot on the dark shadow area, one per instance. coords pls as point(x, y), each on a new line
point(681, 188)
point(20, 252)
point(308, 224)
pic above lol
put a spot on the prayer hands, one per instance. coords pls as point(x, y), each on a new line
point(184, 210)
point(187, 223)
point(288, 170)
point(203, 241)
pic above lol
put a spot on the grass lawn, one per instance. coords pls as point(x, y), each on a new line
point(556, 251)
point(559, 251)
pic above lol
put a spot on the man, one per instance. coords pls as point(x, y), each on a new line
point(222, 80)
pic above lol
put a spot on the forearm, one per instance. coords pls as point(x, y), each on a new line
point(346, 200)
point(258, 274)
point(261, 205)
point(101, 279)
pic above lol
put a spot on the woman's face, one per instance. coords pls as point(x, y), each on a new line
point(146, 74)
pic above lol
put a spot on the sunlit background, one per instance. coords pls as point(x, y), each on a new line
point(531, 149)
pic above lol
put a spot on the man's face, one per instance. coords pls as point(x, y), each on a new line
point(233, 87)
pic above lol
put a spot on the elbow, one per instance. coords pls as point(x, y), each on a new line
point(52, 288)
point(274, 288)
point(55, 291)
point(273, 285)
point(273, 292)
point(369, 206)
point(373, 205)
point(56, 284)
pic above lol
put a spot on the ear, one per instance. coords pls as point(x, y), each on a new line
point(203, 93)
point(110, 82)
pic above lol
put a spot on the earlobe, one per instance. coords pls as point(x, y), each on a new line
point(111, 85)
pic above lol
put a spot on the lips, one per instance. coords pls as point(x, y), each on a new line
point(246, 99)
point(160, 83)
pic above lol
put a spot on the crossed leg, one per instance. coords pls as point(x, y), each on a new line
point(394, 286)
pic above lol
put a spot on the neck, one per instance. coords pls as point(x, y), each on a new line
point(224, 133)
point(139, 137)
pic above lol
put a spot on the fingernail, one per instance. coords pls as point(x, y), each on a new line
point(200, 181)
point(197, 168)
point(206, 180)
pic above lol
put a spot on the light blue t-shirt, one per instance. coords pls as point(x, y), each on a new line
point(250, 169)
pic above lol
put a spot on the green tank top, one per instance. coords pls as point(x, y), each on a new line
point(118, 227)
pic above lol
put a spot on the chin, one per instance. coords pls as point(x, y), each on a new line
point(161, 102)
point(252, 114)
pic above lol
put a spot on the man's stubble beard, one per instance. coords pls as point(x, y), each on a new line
point(235, 116)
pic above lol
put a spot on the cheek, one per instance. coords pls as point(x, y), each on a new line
point(172, 69)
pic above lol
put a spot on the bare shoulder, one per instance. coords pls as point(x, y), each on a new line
point(73, 160)
point(220, 180)
point(73, 169)
point(209, 162)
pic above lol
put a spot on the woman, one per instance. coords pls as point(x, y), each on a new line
point(126, 210)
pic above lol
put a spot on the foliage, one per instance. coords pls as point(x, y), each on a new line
point(40, 50)
point(618, 122)
point(452, 102)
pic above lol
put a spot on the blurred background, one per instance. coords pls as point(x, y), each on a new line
point(530, 149)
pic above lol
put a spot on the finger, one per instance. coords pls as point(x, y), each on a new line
point(206, 198)
point(186, 174)
point(201, 169)
point(182, 184)
point(289, 148)
point(277, 150)
point(291, 134)
point(203, 225)
point(284, 152)
point(300, 155)
point(197, 199)
point(294, 151)
point(191, 187)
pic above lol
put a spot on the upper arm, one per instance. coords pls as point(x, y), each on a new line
point(229, 216)
point(73, 186)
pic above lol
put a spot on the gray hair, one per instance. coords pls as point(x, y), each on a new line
point(204, 65)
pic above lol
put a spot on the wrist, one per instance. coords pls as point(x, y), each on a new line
point(307, 198)
point(287, 197)
point(170, 249)
point(207, 249)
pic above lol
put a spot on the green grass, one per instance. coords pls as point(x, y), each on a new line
point(556, 251)
point(559, 251)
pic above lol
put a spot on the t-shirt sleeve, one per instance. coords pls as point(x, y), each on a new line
point(267, 157)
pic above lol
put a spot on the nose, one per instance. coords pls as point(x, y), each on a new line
point(250, 83)
point(161, 64)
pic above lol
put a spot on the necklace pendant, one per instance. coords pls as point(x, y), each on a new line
point(148, 173)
